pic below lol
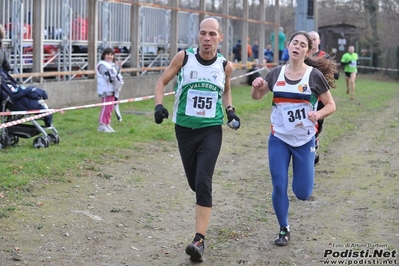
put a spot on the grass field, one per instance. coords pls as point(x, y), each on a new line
point(23, 168)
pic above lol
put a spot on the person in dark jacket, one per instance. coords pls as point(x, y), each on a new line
point(237, 51)
point(255, 50)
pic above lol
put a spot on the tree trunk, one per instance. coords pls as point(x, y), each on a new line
point(371, 6)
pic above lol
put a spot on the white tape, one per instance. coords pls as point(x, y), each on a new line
point(51, 111)
point(379, 68)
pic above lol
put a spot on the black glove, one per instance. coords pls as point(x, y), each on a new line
point(336, 75)
point(233, 121)
point(160, 113)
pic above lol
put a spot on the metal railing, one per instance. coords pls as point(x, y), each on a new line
point(66, 31)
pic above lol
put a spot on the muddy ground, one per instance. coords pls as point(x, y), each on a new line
point(140, 211)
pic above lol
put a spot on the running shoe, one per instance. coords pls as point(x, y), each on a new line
point(196, 250)
point(316, 158)
point(103, 128)
point(110, 128)
point(283, 237)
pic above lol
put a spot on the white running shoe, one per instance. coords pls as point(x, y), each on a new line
point(103, 128)
point(110, 128)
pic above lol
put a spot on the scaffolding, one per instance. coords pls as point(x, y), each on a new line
point(66, 34)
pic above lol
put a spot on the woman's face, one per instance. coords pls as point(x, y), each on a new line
point(109, 57)
point(299, 47)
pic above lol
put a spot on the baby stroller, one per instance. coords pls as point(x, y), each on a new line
point(15, 97)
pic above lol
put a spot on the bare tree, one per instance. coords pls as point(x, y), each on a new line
point(375, 20)
point(371, 8)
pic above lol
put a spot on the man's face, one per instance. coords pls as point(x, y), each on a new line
point(351, 49)
point(315, 42)
point(209, 36)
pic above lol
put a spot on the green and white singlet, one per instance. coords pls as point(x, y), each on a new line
point(198, 93)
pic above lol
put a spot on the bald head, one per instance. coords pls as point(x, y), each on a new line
point(212, 22)
point(209, 37)
point(316, 41)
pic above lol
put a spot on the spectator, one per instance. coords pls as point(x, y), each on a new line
point(285, 55)
point(26, 30)
point(80, 28)
point(237, 51)
point(109, 84)
point(4, 63)
point(281, 42)
point(268, 54)
point(255, 50)
point(79, 33)
point(249, 50)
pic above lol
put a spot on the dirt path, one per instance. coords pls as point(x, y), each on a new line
point(141, 212)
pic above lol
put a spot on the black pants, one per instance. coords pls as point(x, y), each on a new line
point(199, 151)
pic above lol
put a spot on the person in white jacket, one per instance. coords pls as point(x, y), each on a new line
point(109, 84)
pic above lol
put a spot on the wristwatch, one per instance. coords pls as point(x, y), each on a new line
point(228, 108)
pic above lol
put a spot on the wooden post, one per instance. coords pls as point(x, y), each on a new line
point(174, 28)
point(135, 38)
point(262, 31)
point(92, 7)
point(38, 38)
point(276, 58)
point(225, 44)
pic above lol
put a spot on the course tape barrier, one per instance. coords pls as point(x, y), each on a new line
point(249, 73)
point(378, 68)
point(44, 112)
point(27, 119)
